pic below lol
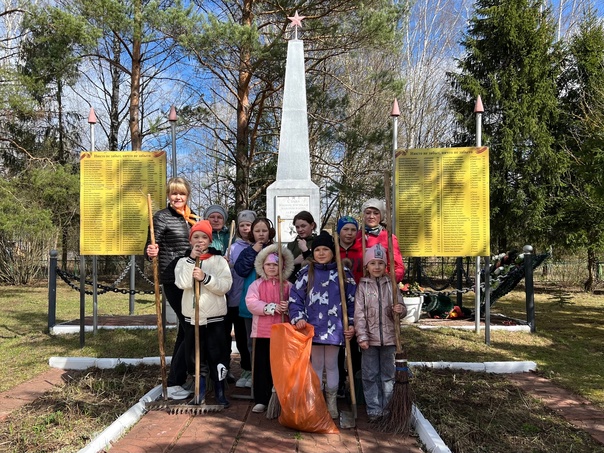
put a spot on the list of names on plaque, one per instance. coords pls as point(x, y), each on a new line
point(113, 199)
point(442, 201)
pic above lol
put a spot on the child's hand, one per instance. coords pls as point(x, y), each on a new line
point(364, 344)
point(258, 246)
point(300, 324)
point(195, 252)
point(348, 334)
point(198, 274)
point(302, 245)
point(398, 308)
point(282, 307)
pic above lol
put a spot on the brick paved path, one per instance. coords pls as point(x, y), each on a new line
point(237, 429)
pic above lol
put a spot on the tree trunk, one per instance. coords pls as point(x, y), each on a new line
point(61, 157)
point(591, 265)
point(64, 239)
point(114, 118)
point(135, 80)
point(243, 156)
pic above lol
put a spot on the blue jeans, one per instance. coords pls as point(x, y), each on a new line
point(377, 370)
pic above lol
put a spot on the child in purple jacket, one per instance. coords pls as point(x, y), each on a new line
point(315, 299)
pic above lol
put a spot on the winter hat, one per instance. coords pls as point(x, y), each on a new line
point(272, 258)
point(203, 226)
point(215, 208)
point(344, 221)
point(324, 239)
point(375, 203)
point(246, 216)
point(270, 254)
point(376, 252)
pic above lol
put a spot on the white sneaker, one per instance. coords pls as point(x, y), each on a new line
point(176, 392)
point(245, 374)
point(259, 408)
point(222, 372)
point(248, 382)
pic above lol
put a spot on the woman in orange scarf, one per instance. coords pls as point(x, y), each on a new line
point(171, 227)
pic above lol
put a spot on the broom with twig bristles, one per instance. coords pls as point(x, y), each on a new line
point(273, 410)
point(397, 416)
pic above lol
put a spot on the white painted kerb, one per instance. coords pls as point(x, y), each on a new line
point(423, 428)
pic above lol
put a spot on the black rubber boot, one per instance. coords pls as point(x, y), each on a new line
point(219, 393)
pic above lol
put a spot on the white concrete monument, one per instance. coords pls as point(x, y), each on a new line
point(293, 190)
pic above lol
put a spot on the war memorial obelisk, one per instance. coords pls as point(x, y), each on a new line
point(293, 190)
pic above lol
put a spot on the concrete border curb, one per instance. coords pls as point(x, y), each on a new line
point(122, 424)
point(423, 427)
point(65, 329)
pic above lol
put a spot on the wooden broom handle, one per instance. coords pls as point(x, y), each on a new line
point(160, 324)
point(231, 234)
point(397, 321)
point(197, 345)
point(353, 397)
point(363, 242)
point(279, 252)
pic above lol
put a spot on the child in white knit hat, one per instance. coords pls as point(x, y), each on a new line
point(376, 332)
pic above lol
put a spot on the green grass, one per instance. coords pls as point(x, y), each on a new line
point(473, 412)
point(26, 345)
point(566, 345)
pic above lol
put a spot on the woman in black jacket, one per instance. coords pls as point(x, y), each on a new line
point(171, 228)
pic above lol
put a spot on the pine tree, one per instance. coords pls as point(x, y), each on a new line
point(511, 62)
point(581, 223)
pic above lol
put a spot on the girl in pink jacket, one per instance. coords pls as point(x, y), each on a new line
point(267, 307)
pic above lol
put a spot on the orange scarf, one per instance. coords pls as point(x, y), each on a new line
point(187, 214)
point(204, 256)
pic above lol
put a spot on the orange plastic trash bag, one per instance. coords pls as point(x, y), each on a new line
point(296, 383)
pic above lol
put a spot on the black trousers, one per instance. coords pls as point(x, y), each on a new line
point(178, 365)
point(263, 378)
point(234, 321)
point(212, 348)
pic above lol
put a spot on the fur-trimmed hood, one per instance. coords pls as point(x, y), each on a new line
point(287, 256)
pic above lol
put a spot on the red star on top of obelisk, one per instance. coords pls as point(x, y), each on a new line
point(296, 21)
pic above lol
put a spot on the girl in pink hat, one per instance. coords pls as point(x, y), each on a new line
point(376, 332)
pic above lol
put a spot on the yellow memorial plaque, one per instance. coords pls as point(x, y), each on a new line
point(113, 199)
point(442, 201)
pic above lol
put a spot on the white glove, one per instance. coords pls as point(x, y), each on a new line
point(269, 309)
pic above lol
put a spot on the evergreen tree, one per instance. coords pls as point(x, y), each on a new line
point(581, 134)
point(511, 62)
point(240, 48)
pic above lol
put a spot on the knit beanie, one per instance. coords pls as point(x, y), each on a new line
point(377, 204)
point(346, 220)
point(215, 208)
point(376, 252)
point(246, 216)
point(324, 239)
point(203, 226)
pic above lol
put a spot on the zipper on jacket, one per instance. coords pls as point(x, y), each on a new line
point(380, 311)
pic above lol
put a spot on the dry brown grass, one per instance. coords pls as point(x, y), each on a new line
point(473, 412)
point(68, 417)
point(481, 412)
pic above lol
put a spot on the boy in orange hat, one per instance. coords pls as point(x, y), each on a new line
point(214, 278)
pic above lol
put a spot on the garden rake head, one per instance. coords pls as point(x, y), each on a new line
point(177, 408)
